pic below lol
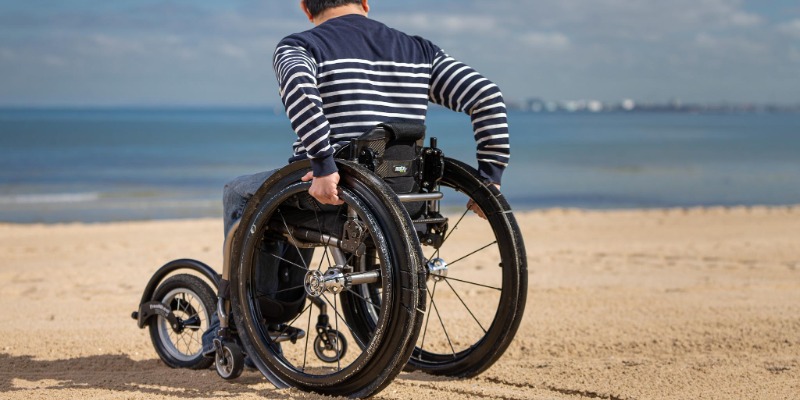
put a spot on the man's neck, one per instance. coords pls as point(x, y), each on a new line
point(336, 12)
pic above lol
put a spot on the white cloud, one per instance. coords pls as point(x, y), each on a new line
point(546, 41)
point(730, 47)
point(114, 45)
point(445, 24)
point(233, 51)
point(600, 48)
point(705, 40)
point(791, 28)
point(54, 61)
point(743, 19)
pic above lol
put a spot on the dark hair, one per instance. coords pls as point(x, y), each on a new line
point(318, 6)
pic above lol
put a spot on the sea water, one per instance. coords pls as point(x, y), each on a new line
point(110, 165)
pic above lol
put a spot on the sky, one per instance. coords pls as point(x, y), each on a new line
point(218, 52)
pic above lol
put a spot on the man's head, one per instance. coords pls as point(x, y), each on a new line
point(318, 11)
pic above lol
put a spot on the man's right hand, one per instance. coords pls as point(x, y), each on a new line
point(324, 188)
point(474, 206)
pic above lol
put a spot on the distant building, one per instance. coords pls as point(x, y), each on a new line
point(628, 105)
point(535, 105)
point(594, 106)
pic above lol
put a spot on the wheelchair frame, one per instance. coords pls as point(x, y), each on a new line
point(431, 168)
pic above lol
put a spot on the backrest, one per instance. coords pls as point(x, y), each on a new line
point(391, 150)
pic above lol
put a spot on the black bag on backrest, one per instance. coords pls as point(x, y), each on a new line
point(392, 150)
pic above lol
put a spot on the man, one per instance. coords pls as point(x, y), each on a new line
point(350, 73)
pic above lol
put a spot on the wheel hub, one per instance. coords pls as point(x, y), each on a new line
point(317, 283)
point(437, 269)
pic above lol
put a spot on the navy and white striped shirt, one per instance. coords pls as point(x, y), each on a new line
point(343, 77)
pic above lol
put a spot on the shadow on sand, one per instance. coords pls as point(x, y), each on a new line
point(121, 374)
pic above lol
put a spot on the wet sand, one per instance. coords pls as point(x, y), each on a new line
point(655, 304)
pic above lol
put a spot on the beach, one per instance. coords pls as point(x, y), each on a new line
point(627, 304)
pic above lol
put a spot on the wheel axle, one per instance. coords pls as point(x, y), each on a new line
point(334, 280)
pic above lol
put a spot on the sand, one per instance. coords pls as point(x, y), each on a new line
point(656, 304)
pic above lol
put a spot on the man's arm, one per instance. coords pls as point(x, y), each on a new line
point(297, 82)
point(296, 73)
point(461, 88)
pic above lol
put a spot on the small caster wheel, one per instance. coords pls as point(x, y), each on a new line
point(330, 346)
point(229, 361)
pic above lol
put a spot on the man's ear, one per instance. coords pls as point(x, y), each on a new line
point(365, 5)
point(304, 7)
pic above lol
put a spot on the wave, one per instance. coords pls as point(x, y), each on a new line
point(49, 198)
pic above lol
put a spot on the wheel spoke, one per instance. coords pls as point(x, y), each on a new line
point(186, 344)
point(453, 229)
point(336, 323)
point(465, 306)
point(325, 257)
point(308, 334)
point(362, 298)
point(261, 295)
point(438, 315)
point(470, 254)
point(449, 278)
point(299, 253)
point(325, 253)
point(352, 331)
point(286, 327)
point(427, 318)
point(290, 262)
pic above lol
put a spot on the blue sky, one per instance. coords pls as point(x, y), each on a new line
point(215, 52)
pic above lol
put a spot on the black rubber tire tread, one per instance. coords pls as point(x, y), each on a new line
point(488, 350)
point(342, 342)
point(391, 351)
point(238, 362)
point(205, 294)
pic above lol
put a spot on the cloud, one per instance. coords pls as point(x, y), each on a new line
point(744, 19)
point(791, 28)
point(115, 45)
point(445, 24)
point(545, 41)
point(605, 49)
point(725, 46)
point(233, 51)
point(54, 61)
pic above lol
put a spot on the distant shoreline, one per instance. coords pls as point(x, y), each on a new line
point(689, 210)
point(558, 107)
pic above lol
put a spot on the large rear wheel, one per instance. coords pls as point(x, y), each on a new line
point(371, 222)
point(476, 282)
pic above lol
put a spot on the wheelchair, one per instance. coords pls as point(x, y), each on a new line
point(381, 282)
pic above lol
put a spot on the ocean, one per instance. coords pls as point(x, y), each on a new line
point(111, 165)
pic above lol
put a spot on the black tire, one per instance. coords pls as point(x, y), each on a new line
point(230, 363)
point(380, 354)
point(338, 347)
point(495, 274)
point(189, 297)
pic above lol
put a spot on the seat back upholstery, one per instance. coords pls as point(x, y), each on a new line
point(391, 150)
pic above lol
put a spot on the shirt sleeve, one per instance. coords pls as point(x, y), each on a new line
point(460, 88)
point(296, 71)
